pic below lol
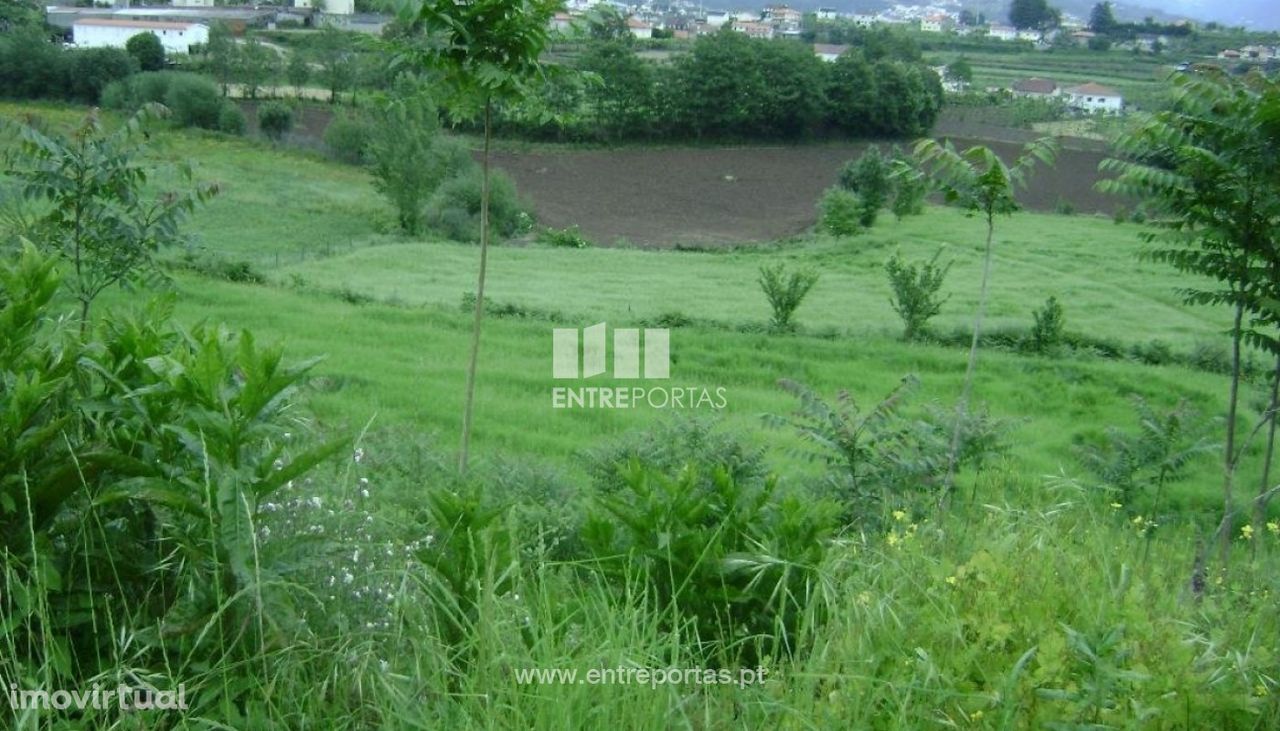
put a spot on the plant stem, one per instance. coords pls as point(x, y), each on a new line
point(479, 314)
point(962, 406)
point(1229, 449)
point(1260, 504)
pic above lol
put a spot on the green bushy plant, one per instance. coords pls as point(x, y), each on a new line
point(565, 238)
point(1047, 329)
point(147, 49)
point(348, 138)
point(231, 120)
point(840, 212)
point(194, 101)
point(275, 119)
point(785, 291)
point(915, 287)
point(454, 209)
point(868, 178)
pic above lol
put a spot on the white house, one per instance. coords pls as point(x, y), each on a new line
point(864, 21)
point(192, 3)
point(336, 7)
point(828, 13)
point(936, 24)
point(176, 37)
point(1093, 97)
point(717, 18)
point(1002, 32)
point(639, 29)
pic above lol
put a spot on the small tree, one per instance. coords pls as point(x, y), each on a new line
point(1047, 328)
point(102, 216)
point(960, 71)
point(298, 72)
point(785, 291)
point(257, 64)
point(336, 57)
point(275, 120)
point(841, 212)
point(868, 178)
point(222, 53)
point(979, 181)
point(408, 161)
point(148, 50)
point(487, 50)
point(915, 291)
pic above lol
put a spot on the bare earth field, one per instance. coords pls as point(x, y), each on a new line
point(665, 197)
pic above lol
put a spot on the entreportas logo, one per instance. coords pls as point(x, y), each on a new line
point(583, 354)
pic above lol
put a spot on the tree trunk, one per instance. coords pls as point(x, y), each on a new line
point(962, 406)
point(1260, 503)
point(1229, 449)
point(479, 313)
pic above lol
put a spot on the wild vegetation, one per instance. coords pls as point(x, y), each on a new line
point(272, 513)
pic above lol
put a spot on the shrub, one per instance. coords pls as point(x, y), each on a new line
point(868, 179)
point(92, 69)
point(910, 187)
point(348, 138)
point(785, 291)
point(671, 445)
point(147, 49)
point(194, 101)
point(454, 209)
point(1046, 332)
point(1064, 207)
point(565, 238)
point(231, 120)
point(275, 120)
point(841, 212)
point(915, 291)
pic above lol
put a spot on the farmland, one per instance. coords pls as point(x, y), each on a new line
point(1041, 581)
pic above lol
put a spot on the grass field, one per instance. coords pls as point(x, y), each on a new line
point(1036, 602)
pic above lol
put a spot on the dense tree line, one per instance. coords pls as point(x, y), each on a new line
point(733, 87)
point(33, 68)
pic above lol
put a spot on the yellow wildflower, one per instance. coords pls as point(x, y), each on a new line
point(899, 515)
point(1246, 532)
point(952, 580)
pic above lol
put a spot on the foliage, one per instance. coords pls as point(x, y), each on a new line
point(101, 217)
point(222, 54)
point(298, 71)
point(840, 212)
point(408, 157)
point(737, 558)
point(566, 238)
point(785, 291)
point(960, 71)
point(275, 119)
point(454, 208)
point(1047, 330)
point(1156, 454)
point(335, 54)
point(349, 136)
point(147, 50)
point(231, 120)
point(1032, 14)
point(255, 65)
point(868, 178)
point(194, 101)
point(915, 287)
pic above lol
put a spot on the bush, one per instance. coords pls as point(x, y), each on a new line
point(147, 49)
point(841, 212)
point(275, 120)
point(454, 209)
point(915, 291)
point(566, 238)
point(231, 120)
point(1064, 207)
point(194, 101)
point(348, 138)
point(93, 69)
point(1047, 331)
point(868, 179)
point(785, 291)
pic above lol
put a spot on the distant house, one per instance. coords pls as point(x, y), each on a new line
point(753, 29)
point(176, 37)
point(192, 3)
point(1002, 32)
point(1093, 97)
point(717, 18)
point(1029, 34)
point(828, 13)
point(864, 21)
point(829, 52)
point(1082, 37)
point(1229, 54)
point(783, 16)
point(1035, 88)
point(562, 22)
point(639, 28)
point(937, 24)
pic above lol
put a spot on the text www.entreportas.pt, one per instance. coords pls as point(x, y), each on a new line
point(652, 677)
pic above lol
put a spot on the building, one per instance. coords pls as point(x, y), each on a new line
point(1035, 88)
point(863, 20)
point(937, 24)
point(562, 22)
point(783, 17)
point(639, 28)
point(753, 29)
point(176, 37)
point(1002, 32)
point(829, 52)
point(828, 13)
point(192, 3)
point(336, 7)
point(1093, 97)
point(717, 18)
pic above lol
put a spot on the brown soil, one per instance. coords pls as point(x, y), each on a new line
point(723, 196)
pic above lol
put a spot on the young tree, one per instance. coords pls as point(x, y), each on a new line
point(960, 71)
point(298, 71)
point(222, 54)
point(915, 287)
point(275, 120)
point(336, 56)
point(1101, 19)
point(785, 291)
point(1031, 14)
point(486, 50)
point(257, 64)
point(868, 177)
point(980, 182)
point(102, 217)
point(1209, 166)
point(147, 49)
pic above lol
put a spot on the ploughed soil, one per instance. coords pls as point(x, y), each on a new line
point(666, 197)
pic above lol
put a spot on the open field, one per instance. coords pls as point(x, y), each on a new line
point(384, 590)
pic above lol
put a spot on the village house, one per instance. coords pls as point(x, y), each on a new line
point(1002, 32)
point(937, 24)
point(562, 22)
point(753, 29)
point(1035, 88)
point(717, 18)
point(829, 52)
point(864, 21)
point(1091, 97)
point(828, 13)
point(639, 29)
point(176, 37)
